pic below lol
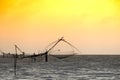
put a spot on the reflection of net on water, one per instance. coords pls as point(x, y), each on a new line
point(62, 54)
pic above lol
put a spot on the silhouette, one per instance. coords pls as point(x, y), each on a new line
point(17, 56)
point(48, 50)
point(34, 56)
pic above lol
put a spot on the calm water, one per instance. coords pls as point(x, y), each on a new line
point(72, 68)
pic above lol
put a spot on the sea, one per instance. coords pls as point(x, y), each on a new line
point(77, 67)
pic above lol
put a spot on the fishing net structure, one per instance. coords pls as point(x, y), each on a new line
point(61, 49)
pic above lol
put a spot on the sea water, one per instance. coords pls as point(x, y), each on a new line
point(84, 67)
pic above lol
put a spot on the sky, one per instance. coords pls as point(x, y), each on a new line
point(93, 26)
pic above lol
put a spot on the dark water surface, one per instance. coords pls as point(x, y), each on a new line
point(84, 67)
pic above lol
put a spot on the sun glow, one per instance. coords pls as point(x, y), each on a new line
point(90, 23)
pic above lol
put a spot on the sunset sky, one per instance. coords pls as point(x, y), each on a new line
point(93, 26)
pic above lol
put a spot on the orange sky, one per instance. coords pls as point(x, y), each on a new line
point(93, 26)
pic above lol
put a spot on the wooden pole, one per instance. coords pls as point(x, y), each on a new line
point(3, 57)
point(15, 61)
point(3, 54)
point(46, 56)
point(15, 64)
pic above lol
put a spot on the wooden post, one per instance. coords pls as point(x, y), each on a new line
point(3, 57)
point(15, 64)
point(15, 61)
point(23, 54)
point(3, 54)
point(46, 56)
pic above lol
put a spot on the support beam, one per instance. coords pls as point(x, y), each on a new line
point(46, 56)
point(15, 61)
